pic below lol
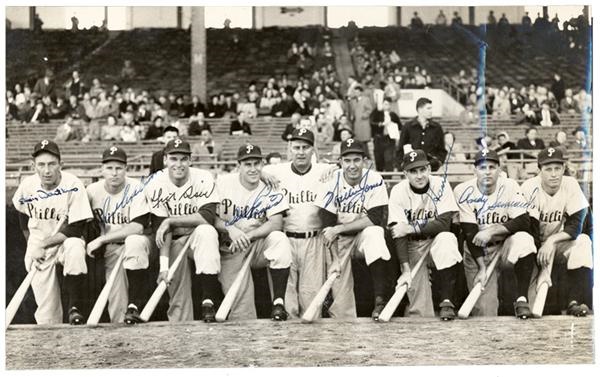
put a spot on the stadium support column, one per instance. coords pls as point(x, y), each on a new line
point(31, 17)
point(198, 63)
point(471, 15)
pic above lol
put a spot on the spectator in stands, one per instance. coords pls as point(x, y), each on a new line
point(65, 132)
point(273, 158)
point(11, 109)
point(385, 129)
point(45, 85)
point(177, 108)
point(324, 130)
point(416, 23)
point(143, 114)
point(37, 23)
point(457, 19)
point(112, 130)
point(547, 117)
point(195, 107)
point(584, 102)
point(75, 86)
point(96, 88)
point(531, 142)
point(423, 133)
point(74, 24)
point(58, 109)
point(127, 72)
point(293, 54)
point(19, 95)
point(501, 106)
point(441, 19)
point(568, 105)
point(526, 21)
point(469, 117)
point(327, 51)
point(129, 132)
point(560, 141)
point(503, 21)
point(206, 146)
point(352, 84)
point(528, 116)
point(558, 87)
point(269, 99)
point(230, 108)
point(345, 134)
point(505, 145)
point(491, 19)
point(252, 96)
point(197, 124)
point(38, 113)
point(157, 161)
point(552, 102)
point(581, 141)
point(215, 110)
point(290, 127)
point(76, 110)
point(342, 124)
point(156, 129)
point(454, 149)
point(361, 108)
point(239, 127)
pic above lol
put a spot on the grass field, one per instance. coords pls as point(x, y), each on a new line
point(263, 343)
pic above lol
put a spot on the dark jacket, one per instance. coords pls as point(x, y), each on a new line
point(376, 121)
point(157, 162)
point(236, 126)
point(430, 140)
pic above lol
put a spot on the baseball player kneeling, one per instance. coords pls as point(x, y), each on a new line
point(421, 212)
point(354, 211)
point(118, 203)
point(494, 219)
point(557, 213)
point(43, 199)
point(250, 220)
point(183, 203)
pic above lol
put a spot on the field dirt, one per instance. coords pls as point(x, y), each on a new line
point(263, 343)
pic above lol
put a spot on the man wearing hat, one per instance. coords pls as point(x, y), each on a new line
point(354, 214)
point(421, 209)
point(250, 223)
point(42, 200)
point(300, 183)
point(123, 212)
point(493, 216)
point(183, 203)
point(557, 213)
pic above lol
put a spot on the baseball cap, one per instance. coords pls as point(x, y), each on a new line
point(249, 151)
point(114, 154)
point(47, 146)
point(486, 155)
point(303, 134)
point(550, 155)
point(351, 146)
point(414, 159)
point(178, 146)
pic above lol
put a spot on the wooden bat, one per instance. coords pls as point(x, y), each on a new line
point(397, 297)
point(233, 291)
point(315, 305)
point(540, 299)
point(471, 300)
point(96, 312)
point(162, 286)
point(17, 299)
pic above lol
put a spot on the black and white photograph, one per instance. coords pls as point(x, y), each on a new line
point(241, 188)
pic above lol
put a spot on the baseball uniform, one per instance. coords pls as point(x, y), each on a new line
point(44, 210)
point(248, 210)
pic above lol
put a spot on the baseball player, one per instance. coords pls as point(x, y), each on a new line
point(494, 219)
point(182, 204)
point(299, 181)
point(557, 213)
point(118, 203)
point(353, 214)
point(42, 199)
point(250, 221)
point(421, 209)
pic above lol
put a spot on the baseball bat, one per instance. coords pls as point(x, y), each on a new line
point(17, 299)
point(397, 297)
point(96, 312)
point(233, 291)
point(315, 305)
point(162, 286)
point(540, 299)
point(473, 296)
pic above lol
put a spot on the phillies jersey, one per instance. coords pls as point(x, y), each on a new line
point(119, 209)
point(301, 192)
point(551, 210)
point(45, 208)
point(505, 203)
point(351, 203)
point(409, 207)
point(247, 209)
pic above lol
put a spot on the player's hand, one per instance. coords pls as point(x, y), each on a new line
point(401, 230)
point(93, 246)
point(334, 268)
point(239, 240)
point(482, 238)
point(480, 278)
point(545, 254)
point(404, 278)
point(328, 174)
point(163, 229)
point(163, 275)
point(269, 180)
point(330, 234)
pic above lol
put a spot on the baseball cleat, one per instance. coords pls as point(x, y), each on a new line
point(75, 318)
point(447, 311)
point(522, 310)
point(132, 316)
point(379, 305)
point(577, 310)
point(208, 312)
point(278, 313)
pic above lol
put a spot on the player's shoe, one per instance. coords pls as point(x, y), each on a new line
point(577, 310)
point(522, 310)
point(75, 317)
point(132, 316)
point(447, 312)
point(278, 313)
point(379, 305)
point(208, 312)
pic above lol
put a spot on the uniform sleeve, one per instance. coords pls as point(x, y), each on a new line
point(209, 185)
point(327, 193)
point(151, 192)
point(378, 196)
point(277, 203)
point(466, 213)
point(513, 194)
point(396, 214)
point(447, 202)
point(79, 204)
point(530, 193)
point(17, 202)
point(139, 206)
point(576, 200)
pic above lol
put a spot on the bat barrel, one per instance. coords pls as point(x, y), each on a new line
point(153, 301)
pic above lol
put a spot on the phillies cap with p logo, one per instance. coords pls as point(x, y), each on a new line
point(114, 153)
point(303, 134)
point(550, 155)
point(486, 155)
point(47, 146)
point(178, 146)
point(249, 151)
point(352, 146)
point(414, 159)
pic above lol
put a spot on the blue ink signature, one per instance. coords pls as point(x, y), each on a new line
point(127, 198)
point(46, 194)
point(189, 193)
point(466, 197)
point(257, 209)
point(352, 194)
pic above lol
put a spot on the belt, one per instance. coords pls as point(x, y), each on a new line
point(302, 235)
